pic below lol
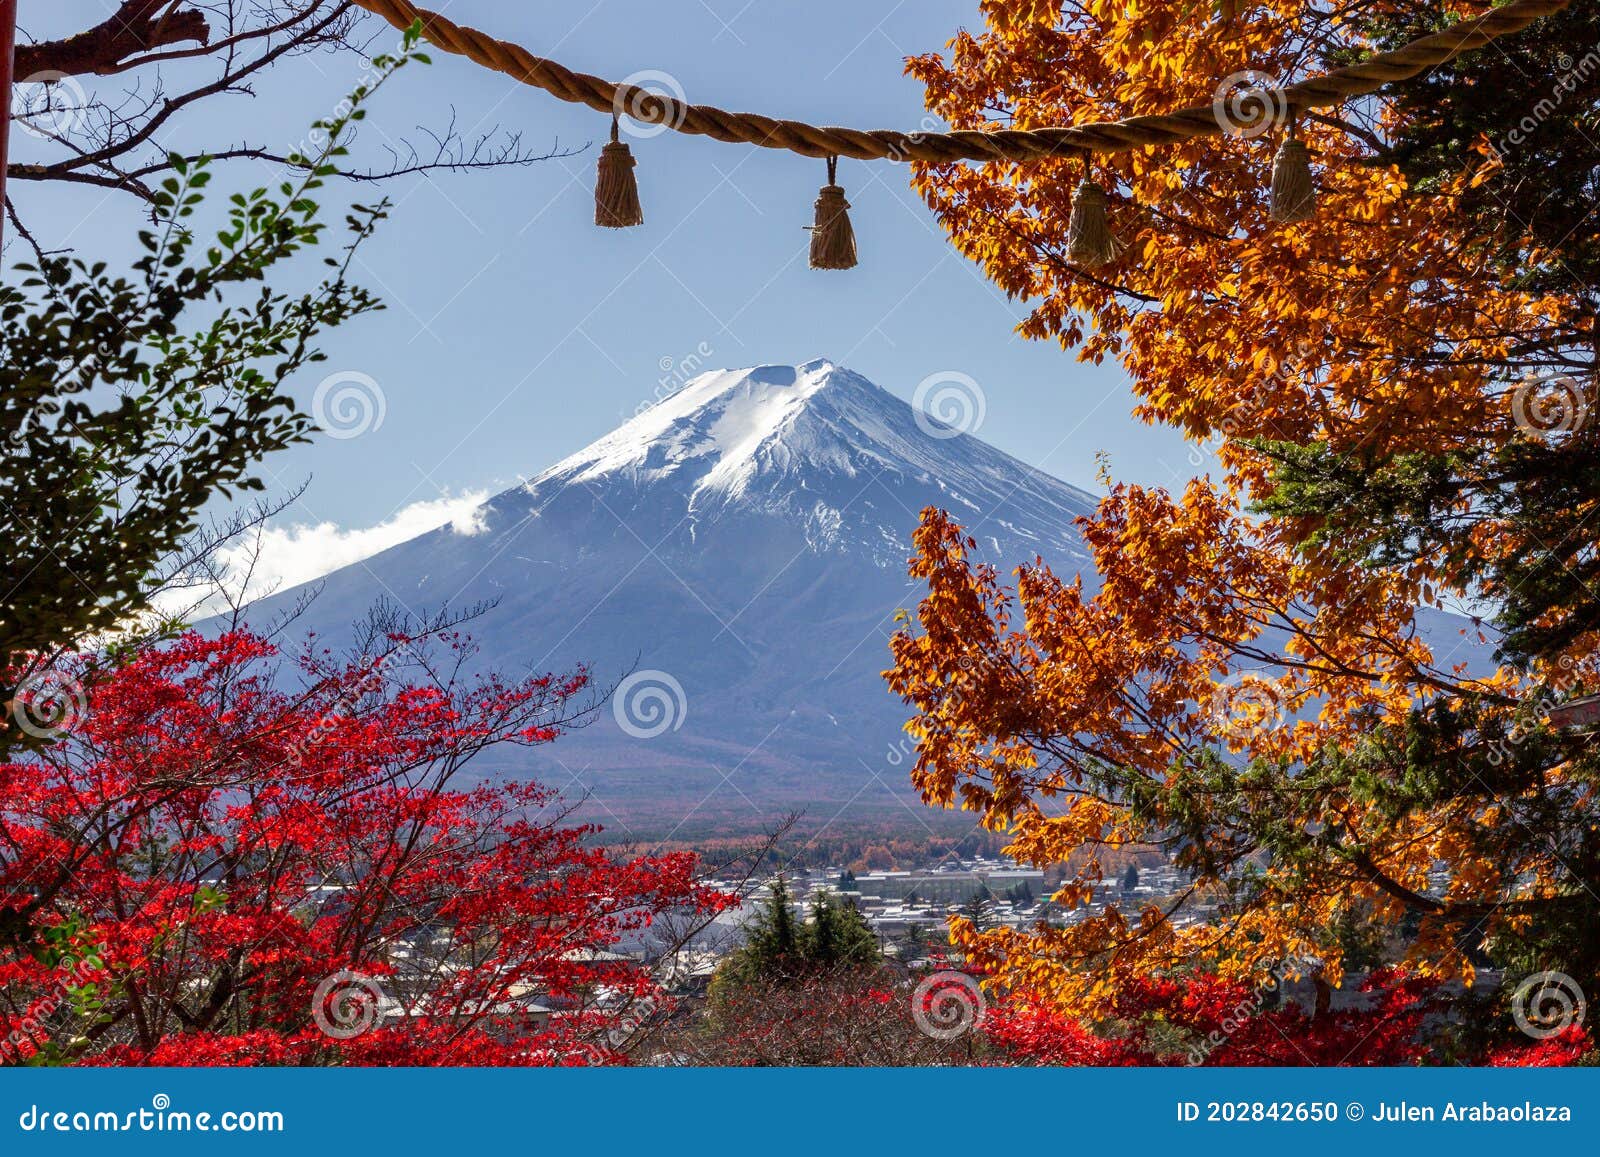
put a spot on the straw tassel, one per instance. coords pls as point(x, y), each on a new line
point(1089, 239)
point(1294, 193)
point(833, 240)
point(616, 190)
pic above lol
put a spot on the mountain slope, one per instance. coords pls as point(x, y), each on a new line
point(746, 538)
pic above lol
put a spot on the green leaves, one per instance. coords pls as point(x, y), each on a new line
point(128, 401)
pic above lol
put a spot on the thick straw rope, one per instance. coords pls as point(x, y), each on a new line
point(1006, 144)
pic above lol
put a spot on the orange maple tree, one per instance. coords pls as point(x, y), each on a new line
point(1253, 694)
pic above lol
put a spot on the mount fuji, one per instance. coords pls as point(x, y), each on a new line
point(738, 552)
point(735, 556)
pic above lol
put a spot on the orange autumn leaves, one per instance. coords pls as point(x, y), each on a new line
point(1069, 717)
point(1063, 718)
point(1367, 324)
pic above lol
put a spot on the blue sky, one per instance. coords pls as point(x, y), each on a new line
point(517, 332)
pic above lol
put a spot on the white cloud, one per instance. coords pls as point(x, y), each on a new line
point(280, 557)
point(291, 555)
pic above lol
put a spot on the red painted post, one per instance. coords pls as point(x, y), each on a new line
point(8, 45)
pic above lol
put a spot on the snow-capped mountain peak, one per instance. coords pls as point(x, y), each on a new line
point(723, 427)
point(808, 440)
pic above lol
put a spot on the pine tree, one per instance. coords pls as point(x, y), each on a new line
point(979, 911)
point(774, 944)
point(915, 942)
point(838, 936)
point(780, 948)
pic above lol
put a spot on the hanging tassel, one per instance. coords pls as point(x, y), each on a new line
point(1089, 239)
point(1294, 193)
point(833, 241)
point(616, 191)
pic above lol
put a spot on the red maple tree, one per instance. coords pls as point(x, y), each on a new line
point(1202, 1019)
point(209, 868)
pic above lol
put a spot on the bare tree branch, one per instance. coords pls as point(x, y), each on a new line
point(136, 26)
point(114, 133)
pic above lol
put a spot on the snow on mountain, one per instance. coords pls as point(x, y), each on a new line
point(739, 548)
point(814, 443)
